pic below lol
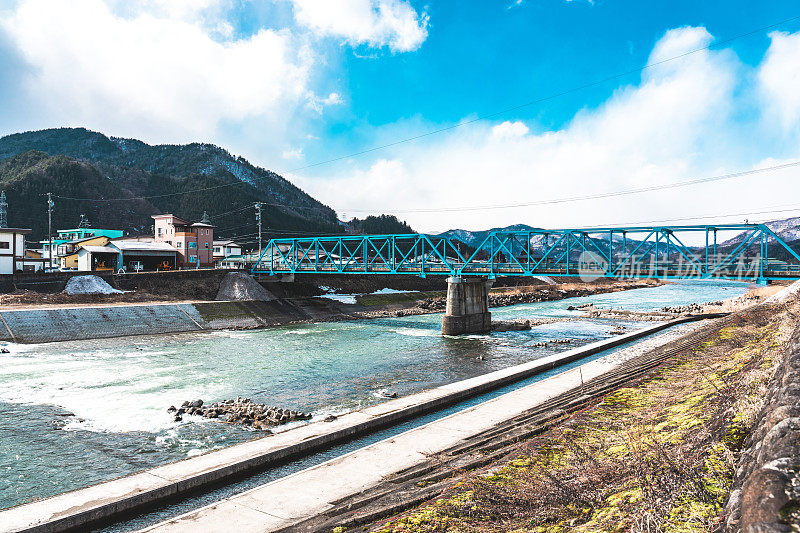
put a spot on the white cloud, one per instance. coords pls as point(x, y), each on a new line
point(377, 23)
point(509, 130)
point(292, 154)
point(779, 79)
point(319, 104)
point(680, 122)
point(153, 70)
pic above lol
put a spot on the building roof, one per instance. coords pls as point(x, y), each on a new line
point(144, 246)
point(170, 215)
point(227, 243)
point(234, 258)
point(140, 238)
point(203, 225)
point(14, 230)
point(99, 249)
point(90, 238)
point(86, 229)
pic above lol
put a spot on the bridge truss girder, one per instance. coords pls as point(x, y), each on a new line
point(637, 252)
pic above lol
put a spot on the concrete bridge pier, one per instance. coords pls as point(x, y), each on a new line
point(467, 306)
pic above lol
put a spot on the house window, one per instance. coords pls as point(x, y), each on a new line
point(159, 232)
point(216, 250)
point(205, 245)
point(4, 246)
point(193, 259)
point(192, 245)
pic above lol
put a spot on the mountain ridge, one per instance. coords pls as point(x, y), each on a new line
point(185, 179)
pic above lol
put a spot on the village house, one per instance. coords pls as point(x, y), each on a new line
point(128, 254)
point(65, 237)
point(225, 249)
point(67, 253)
point(193, 242)
point(12, 242)
point(12, 249)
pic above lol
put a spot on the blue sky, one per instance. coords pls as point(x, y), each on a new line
point(288, 83)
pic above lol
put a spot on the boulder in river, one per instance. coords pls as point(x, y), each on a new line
point(511, 325)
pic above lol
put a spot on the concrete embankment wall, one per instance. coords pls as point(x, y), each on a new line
point(186, 284)
point(64, 324)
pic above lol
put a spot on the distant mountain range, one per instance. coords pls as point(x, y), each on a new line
point(84, 169)
point(787, 229)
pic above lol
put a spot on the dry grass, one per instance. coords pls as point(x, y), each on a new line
point(656, 456)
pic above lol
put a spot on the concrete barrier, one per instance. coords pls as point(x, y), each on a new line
point(118, 498)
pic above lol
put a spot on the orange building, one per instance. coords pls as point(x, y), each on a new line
point(193, 241)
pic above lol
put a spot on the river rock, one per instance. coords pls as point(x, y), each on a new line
point(511, 325)
point(245, 412)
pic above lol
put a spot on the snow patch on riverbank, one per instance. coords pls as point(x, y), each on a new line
point(351, 298)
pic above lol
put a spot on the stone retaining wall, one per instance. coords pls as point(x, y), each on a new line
point(766, 491)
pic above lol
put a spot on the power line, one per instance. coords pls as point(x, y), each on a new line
point(545, 98)
point(794, 208)
point(597, 196)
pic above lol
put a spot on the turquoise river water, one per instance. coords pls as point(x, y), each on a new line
point(76, 413)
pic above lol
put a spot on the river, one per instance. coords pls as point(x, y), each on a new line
point(76, 413)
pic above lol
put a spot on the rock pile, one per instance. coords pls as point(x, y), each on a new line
point(511, 325)
point(240, 286)
point(545, 344)
point(433, 304)
point(619, 329)
point(89, 285)
point(682, 309)
point(240, 411)
point(578, 307)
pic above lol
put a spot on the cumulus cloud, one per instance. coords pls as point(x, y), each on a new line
point(779, 79)
point(148, 73)
point(679, 122)
point(377, 23)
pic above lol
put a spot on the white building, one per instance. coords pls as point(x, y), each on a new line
point(223, 249)
point(12, 249)
point(132, 255)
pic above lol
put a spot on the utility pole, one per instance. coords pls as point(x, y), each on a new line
point(3, 210)
point(258, 221)
point(50, 225)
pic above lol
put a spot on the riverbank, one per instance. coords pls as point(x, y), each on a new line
point(109, 500)
point(661, 453)
point(421, 303)
point(61, 317)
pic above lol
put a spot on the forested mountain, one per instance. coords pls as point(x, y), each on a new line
point(78, 163)
point(378, 225)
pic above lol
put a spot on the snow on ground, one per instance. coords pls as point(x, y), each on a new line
point(351, 298)
point(89, 285)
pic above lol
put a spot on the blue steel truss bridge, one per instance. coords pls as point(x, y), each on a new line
point(727, 251)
